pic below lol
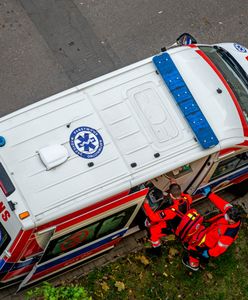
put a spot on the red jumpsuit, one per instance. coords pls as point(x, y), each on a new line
point(159, 219)
point(217, 237)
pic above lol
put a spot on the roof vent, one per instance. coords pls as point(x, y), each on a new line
point(53, 156)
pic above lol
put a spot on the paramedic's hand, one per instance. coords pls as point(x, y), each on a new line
point(146, 201)
point(206, 191)
point(205, 254)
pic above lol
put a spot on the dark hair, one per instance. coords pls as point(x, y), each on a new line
point(235, 213)
point(175, 190)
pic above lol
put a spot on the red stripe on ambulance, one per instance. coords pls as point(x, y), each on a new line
point(59, 267)
point(70, 218)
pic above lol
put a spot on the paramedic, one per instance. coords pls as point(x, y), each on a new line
point(163, 221)
point(214, 240)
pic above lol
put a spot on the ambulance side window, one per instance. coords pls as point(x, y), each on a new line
point(88, 234)
point(230, 165)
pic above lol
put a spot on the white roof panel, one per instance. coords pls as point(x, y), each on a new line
point(133, 117)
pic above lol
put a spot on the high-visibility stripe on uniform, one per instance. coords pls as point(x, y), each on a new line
point(222, 245)
point(202, 240)
point(156, 244)
point(227, 205)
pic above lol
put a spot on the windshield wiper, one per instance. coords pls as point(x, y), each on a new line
point(228, 58)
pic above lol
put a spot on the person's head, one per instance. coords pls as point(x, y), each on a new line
point(234, 214)
point(175, 191)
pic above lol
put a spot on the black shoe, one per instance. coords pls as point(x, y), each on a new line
point(154, 252)
point(185, 261)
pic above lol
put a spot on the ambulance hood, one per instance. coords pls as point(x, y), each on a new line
point(204, 83)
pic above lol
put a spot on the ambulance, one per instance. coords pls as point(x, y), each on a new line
point(75, 167)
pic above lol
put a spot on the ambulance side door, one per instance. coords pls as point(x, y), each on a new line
point(189, 176)
point(228, 169)
point(97, 231)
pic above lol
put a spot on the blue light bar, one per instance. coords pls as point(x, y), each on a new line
point(185, 100)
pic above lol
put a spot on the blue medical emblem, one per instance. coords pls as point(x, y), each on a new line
point(240, 48)
point(86, 142)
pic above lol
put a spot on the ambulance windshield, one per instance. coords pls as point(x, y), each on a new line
point(4, 238)
point(232, 72)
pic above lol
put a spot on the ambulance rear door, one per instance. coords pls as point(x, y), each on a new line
point(10, 226)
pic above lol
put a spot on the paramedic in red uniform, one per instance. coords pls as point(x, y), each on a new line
point(163, 221)
point(215, 239)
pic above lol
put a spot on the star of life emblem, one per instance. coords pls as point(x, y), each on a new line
point(86, 142)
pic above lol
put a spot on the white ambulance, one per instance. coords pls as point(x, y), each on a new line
point(74, 167)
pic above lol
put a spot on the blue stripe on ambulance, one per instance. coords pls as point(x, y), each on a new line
point(228, 177)
point(6, 266)
point(185, 100)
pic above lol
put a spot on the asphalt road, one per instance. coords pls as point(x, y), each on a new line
point(50, 45)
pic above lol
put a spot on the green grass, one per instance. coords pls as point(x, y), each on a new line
point(135, 277)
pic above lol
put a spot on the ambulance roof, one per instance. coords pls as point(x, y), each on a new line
point(119, 130)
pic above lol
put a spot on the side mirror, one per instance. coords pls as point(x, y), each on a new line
point(186, 39)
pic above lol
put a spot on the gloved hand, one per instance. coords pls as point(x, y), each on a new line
point(206, 191)
point(205, 254)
